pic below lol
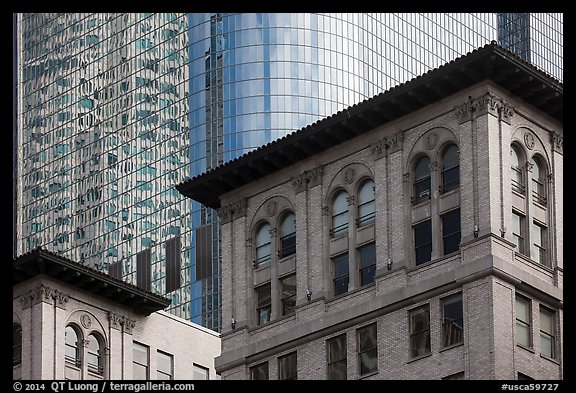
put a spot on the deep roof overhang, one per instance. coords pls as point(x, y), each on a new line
point(489, 63)
point(41, 262)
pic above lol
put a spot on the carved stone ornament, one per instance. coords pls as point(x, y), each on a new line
point(86, 321)
point(349, 175)
point(431, 140)
point(529, 140)
point(271, 208)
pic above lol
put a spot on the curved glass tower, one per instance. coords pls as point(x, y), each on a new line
point(173, 95)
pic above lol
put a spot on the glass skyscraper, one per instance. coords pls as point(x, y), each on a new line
point(114, 110)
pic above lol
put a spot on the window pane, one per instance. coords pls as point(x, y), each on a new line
point(450, 168)
point(522, 334)
point(164, 365)
point(453, 321)
point(546, 346)
point(287, 367)
point(366, 203)
point(288, 295)
point(336, 348)
point(259, 372)
point(420, 331)
point(423, 242)
point(288, 235)
point(367, 257)
point(451, 231)
point(340, 214)
point(340, 274)
point(367, 349)
point(199, 372)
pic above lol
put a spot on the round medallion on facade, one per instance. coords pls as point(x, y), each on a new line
point(86, 321)
point(529, 140)
point(431, 140)
point(349, 175)
point(271, 208)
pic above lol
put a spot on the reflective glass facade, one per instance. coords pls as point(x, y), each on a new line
point(116, 109)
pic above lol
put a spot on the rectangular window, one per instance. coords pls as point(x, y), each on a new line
point(423, 242)
point(451, 231)
point(367, 261)
point(419, 319)
point(264, 305)
point(547, 335)
point(336, 353)
point(367, 349)
point(452, 320)
point(204, 251)
point(518, 231)
point(173, 264)
point(200, 372)
point(141, 361)
point(341, 277)
point(538, 251)
point(288, 367)
point(523, 336)
point(115, 270)
point(165, 364)
point(259, 372)
point(288, 299)
point(143, 267)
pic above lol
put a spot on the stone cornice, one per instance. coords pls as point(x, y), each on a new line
point(45, 294)
point(308, 178)
point(232, 211)
point(483, 104)
point(118, 321)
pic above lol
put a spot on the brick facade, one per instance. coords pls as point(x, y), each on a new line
point(483, 121)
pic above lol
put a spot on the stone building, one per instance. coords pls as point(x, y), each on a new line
point(415, 235)
point(73, 322)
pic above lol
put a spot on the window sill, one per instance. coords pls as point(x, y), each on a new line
point(419, 357)
point(550, 359)
point(370, 374)
point(451, 346)
point(526, 348)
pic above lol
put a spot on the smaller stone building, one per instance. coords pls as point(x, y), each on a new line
point(73, 322)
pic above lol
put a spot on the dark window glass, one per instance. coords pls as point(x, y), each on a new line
point(259, 372)
point(451, 231)
point(264, 305)
point(288, 235)
point(367, 349)
point(203, 252)
point(538, 182)
point(422, 179)
point(420, 331)
point(367, 257)
point(423, 242)
point(336, 348)
point(288, 294)
point(288, 367)
point(340, 264)
point(450, 168)
point(173, 264)
point(452, 320)
point(143, 267)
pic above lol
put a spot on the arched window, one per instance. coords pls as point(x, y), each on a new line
point(263, 246)
point(288, 235)
point(516, 166)
point(422, 179)
point(94, 358)
point(450, 168)
point(340, 214)
point(366, 203)
point(16, 344)
point(538, 181)
point(72, 340)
